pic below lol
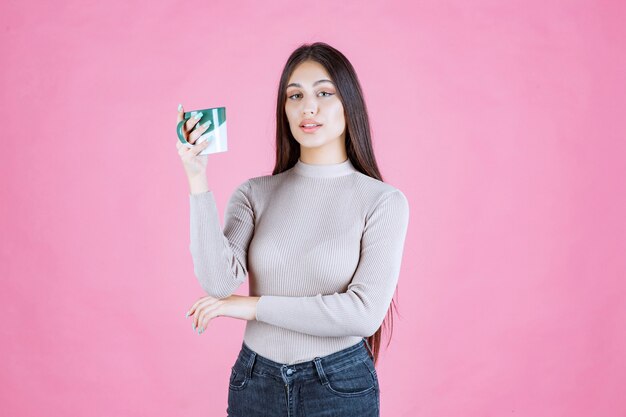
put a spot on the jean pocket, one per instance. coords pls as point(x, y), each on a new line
point(238, 378)
point(352, 381)
point(369, 362)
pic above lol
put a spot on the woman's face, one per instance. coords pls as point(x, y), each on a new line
point(311, 94)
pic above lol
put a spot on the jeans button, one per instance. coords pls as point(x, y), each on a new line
point(289, 371)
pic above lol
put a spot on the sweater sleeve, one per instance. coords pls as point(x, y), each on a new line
point(219, 256)
point(361, 309)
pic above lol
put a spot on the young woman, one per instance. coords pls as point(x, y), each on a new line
point(321, 241)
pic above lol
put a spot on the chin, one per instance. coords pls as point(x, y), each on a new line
point(312, 142)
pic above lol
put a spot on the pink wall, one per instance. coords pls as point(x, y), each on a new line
point(503, 122)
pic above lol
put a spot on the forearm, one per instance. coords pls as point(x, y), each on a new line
point(198, 184)
point(218, 269)
point(332, 315)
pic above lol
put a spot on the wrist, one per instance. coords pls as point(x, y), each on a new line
point(198, 184)
point(256, 304)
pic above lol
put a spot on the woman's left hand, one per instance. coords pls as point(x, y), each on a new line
point(235, 306)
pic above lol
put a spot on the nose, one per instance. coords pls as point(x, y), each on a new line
point(309, 107)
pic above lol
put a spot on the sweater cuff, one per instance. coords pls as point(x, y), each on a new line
point(259, 306)
point(276, 309)
point(267, 308)
point(200, 196)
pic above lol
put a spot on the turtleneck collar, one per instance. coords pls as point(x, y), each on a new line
point(324, 170)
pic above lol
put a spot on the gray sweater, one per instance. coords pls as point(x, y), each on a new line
point(321, 245)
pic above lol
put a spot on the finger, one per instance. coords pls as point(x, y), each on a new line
point(209, 314)
point(204, 323)
point(181, 114)
point(199, 148)
point(198, 319)
point(195, 148)
point(179, 118)
point(195, 305)
point(198, 131)
point(182, 149)
point(191, 310)
point(200, 308)
point(206, 312)
point(201, 322)
point(193, 120)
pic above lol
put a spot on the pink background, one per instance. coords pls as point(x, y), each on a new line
point(502, 121)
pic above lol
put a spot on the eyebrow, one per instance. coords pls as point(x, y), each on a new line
point(314, 84)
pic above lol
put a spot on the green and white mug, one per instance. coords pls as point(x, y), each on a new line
point(215, 134)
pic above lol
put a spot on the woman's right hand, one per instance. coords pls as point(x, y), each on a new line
point(194, 164)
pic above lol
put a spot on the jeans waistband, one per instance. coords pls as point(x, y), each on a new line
point(252, 361)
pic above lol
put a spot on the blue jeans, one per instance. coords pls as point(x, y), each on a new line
point(343, 383)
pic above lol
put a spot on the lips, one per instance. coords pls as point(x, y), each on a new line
point(309, 123)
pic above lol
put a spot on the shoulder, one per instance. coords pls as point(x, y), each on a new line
point(264, 182)
point(259, 186)
point(378, 193)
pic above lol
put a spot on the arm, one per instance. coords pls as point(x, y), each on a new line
point(219, 256)
point(361, 309)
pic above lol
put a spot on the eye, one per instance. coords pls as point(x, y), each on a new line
point(321, 92)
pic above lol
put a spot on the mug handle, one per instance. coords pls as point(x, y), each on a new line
point(179, 131)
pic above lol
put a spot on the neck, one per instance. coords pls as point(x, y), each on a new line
point(332, 152)
point(324, 170)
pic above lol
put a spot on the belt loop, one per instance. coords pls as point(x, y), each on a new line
point(320, 370)
point(368, 347)
point(250, 364)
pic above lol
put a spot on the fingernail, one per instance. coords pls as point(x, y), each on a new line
point(180, 107)
point(199, 116)
point(187, 315)
point(205, 124)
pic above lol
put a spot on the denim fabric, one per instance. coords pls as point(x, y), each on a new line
point(343, 383)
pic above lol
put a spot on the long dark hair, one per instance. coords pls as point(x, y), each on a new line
point(358, 137)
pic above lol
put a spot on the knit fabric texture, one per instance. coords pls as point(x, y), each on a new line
point(321, 244)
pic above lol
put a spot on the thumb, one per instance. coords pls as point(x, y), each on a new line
point(181, 113)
